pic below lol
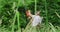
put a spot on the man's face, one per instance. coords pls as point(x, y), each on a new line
point(28, 13)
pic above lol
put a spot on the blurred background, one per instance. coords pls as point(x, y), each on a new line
point(13, 17)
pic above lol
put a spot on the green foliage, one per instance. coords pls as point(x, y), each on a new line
point(12, 19)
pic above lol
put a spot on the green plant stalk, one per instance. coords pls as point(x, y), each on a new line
point(13, 23)
point(57, 14)
point(14, 17)
point(35, 6)
point(17, 14)
point(46, 15)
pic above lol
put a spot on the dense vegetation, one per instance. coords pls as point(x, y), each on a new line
point(13, 18)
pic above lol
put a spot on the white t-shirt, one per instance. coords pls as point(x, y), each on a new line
point(36, 19)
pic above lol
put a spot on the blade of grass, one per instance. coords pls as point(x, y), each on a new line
point(17, 14)
point(14, 18)
point(57, 14)
point(52, 27)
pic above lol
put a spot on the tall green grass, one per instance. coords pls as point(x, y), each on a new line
point(45, 27)
point(17, 16)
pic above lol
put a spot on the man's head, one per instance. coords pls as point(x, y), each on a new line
point(28, 13)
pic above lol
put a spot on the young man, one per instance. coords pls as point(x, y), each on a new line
point(36, 19)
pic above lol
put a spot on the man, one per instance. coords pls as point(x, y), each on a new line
point(35, 19)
